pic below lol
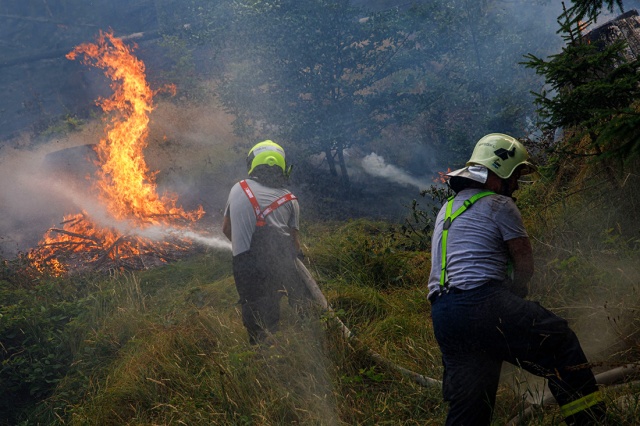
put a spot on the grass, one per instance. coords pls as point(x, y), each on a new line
point(167, 346)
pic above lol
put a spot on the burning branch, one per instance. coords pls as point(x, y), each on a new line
point(124, 185)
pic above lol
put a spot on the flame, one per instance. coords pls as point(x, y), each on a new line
point(124, 184)
point(442, 176)
point(582, 26)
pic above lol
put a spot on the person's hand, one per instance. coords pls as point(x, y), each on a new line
point(518, 290)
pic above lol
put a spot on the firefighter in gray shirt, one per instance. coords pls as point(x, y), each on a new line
point(261, 219)
point(481, 264)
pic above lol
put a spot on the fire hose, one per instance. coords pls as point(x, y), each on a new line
point(611, 377)
point(317, 295)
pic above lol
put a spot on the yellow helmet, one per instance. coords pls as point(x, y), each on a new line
point(501, 154)
point(266, 153)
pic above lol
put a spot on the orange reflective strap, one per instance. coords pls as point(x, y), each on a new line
point(262, 214)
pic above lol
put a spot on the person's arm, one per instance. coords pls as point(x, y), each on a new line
point(522, 257)
point(295, 235)
point(226, 227)
point(518, 247)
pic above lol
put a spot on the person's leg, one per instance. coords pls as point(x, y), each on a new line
point(470, 383)
point(251, 322)
point(268, 311)
point(298, 295)
point(258, 313)
point(543, 344)
point(471, 374)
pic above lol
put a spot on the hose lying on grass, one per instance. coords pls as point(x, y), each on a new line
point(608, 378)
point(317, 295)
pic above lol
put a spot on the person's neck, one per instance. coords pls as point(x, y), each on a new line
point(493, 183)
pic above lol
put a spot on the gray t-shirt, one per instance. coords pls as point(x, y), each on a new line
point(476, 249)
point(243, 217)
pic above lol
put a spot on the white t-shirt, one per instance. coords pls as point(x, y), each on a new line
point(476, 249)
point(243, 217)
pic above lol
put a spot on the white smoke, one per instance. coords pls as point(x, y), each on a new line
point(376, 166)
point(35, 195)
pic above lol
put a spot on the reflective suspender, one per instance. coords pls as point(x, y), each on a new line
point(581, 404)
point(262, 214)
point(448, 219)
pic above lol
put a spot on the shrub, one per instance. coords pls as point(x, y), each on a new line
point(367, 253)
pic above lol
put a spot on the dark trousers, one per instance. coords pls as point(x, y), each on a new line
point(479, 329)
point(261, 282)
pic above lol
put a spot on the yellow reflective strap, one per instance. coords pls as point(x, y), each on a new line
point(448, 218)
point(581, 404)
point(445, 235)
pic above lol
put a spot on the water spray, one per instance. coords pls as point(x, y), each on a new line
point(376, 166)
point(159, 232)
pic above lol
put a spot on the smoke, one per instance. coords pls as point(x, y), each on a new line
point(31, 200)
point(42, 181)
point(376, 166)
point(101, 217)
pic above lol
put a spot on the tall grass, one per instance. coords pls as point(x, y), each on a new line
point(167, 346)
point(162, 350)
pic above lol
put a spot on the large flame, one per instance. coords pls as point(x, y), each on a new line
point(124, 184)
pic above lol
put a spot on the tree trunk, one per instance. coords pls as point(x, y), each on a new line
point(344, 174)
point(331, 162)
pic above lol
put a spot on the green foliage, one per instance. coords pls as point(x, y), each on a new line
point(593, 93)
point(368, 253)
point(37, 340)
point(364, 374)
point(590, 9)
point(190, 30)
point(167, 346)
point(418, 227)
point(585, 231)
point(68, 124)
point(52, 333)
point(468, 82)
point(323, 76)
point(311, 71)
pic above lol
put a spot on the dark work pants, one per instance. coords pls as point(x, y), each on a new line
point(479, 329)
point(261, 281)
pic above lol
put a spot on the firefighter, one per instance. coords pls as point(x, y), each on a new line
point(481, 264)
point(261, 219)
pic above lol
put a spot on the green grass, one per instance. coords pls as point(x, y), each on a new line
point(167, 346)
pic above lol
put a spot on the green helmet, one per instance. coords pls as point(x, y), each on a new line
point(266, 153)
point(501, 154)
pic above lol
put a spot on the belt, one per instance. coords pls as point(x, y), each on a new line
point(446, 290)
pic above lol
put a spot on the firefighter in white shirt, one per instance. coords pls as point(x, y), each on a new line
point(481, 264)
point(262, 220)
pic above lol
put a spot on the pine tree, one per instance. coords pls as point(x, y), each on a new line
point(593, 92)
point(590, 9)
